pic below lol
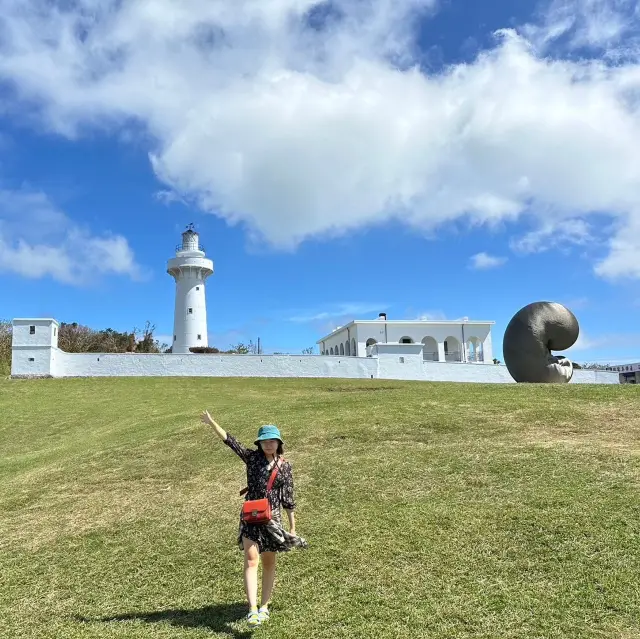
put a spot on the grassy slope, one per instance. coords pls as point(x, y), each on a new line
point(432, 510)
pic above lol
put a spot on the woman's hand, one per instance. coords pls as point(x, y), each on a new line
point(292, 521)
point(206, 418)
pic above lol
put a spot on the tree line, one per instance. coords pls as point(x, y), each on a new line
point(76, 338)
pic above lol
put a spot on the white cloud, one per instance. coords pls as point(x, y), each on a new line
point(433, 316)
point(297, 133)
point(38, 240)
point(483, 261)
point(552, 234)
point(624, 250)
point(605, 348)
point(586, 343)
point(598, 24)
point(168, 197)
point(576, 303)
point(349, 311)
point(604, 342)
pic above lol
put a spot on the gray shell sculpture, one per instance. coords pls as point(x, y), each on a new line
point(533, 332)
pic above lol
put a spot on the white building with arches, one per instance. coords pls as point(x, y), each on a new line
point(464, 340)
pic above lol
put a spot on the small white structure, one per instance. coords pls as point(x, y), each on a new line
point(463, 341)
point(34, 347)
point(190, 269)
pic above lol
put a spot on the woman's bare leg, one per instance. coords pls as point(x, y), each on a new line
point(251, 561)
point(268, 576)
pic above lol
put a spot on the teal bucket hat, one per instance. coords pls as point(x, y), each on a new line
point(268, 431)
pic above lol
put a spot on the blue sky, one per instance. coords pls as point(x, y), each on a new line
point(397, 157)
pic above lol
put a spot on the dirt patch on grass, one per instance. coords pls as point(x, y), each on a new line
point(359, 389)
point(77, 509)
point(550, 440)
point(613, 426)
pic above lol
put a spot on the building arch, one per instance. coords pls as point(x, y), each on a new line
point(347, 348)
point(354, 348)
point(452, 349)
point(341, 349)
point(475, 349)
point(430, 350)
point(371, 342)
point(331, 351)
point(406, 340)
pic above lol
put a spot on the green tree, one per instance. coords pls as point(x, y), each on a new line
point(203, 349)
point(594, 366)
point(5, 347)
point(75, 338)
point(148, 344)
point(243, 349)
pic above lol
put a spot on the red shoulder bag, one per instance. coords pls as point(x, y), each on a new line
point(258, 511)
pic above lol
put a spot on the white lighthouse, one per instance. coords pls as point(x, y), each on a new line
point(190, 268)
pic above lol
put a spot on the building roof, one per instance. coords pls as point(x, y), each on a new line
point(417, 322)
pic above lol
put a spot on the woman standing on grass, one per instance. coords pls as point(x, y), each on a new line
point(267, 539)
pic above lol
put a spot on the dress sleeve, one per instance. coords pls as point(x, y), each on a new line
point(238, 448)
point(288, 496)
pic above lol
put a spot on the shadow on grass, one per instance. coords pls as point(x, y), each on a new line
point(217, 618)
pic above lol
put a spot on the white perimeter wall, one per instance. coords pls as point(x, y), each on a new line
point(169, 365)
point(385, 366)
point(35, 354)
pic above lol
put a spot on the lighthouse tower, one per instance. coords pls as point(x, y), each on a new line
point(190, 269)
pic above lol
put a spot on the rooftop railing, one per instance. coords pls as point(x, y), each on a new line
point(181, 247)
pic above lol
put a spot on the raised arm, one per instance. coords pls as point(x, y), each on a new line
point(207, 419)
point(228, 439)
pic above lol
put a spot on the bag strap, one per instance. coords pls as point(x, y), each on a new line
point(272, 478)
point(274, 472)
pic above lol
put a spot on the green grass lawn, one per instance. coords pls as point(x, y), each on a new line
point(431, 510)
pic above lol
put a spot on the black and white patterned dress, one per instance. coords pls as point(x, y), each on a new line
point(281, 496)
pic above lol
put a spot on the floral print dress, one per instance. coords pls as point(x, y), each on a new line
point(281, 496)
